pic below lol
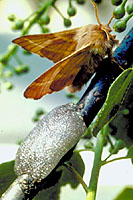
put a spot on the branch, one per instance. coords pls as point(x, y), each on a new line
point(59, 131)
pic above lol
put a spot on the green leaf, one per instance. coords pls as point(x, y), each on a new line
point(7, 175)
point(121, 124)
point(67, 176)
point(114, 100)
point(126, 194)
point(130, 152)
point(50, 193)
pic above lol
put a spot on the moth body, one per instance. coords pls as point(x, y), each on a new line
point(99, 45)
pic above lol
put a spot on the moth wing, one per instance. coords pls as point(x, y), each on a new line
point(57, 77)
point(54, 46)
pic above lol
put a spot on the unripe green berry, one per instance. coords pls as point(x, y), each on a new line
point(45, 19)
point(8, 73)
point(25, 68)
point(45, 30)
point(18, 25)
point(39, 112)
point(116, 2)
point(69, 95)
point(3, 59)
point(26, 52)
point(71, 11)
point(129, 8)
point(120, 26)
point(119, 12)
point(8, 85)
point(18, 70)
point(67, 22)
point(12, 17)
point(21, 69)
point(11, 47)
point(80, 1)
point(35, 119)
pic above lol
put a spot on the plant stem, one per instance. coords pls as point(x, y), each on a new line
point(128, 17)
point(115, 159)
point(110, 142)
point(58, 11)
point(70, 3)
point(38, 15)
point(6, 57)
point(79, 178)
point(91, 195)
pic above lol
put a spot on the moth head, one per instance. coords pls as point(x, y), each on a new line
point(106, 28)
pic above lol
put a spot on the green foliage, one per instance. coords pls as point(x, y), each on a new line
point(121, 126)
point(51, 193)
point(7, 175)
point(119, 144)
point(114, 99)
point(126, 194)
point(130, 152)
point(68, 177)
point(89, 145)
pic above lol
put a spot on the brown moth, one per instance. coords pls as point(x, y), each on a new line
point(76, 52)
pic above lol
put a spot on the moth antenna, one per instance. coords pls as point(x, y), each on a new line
point(96, 12)
point(110, 20)
point(107, 33)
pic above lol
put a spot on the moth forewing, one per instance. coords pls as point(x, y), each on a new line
point(54, 46)
point(59, 76)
